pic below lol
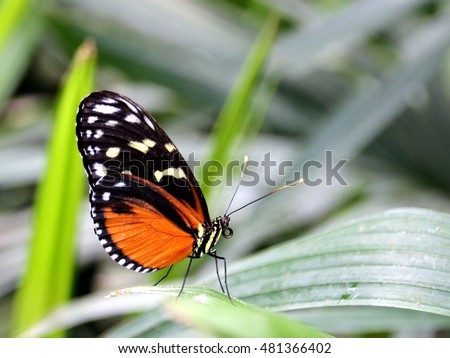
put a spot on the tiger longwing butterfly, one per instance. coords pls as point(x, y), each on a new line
point(148, 209)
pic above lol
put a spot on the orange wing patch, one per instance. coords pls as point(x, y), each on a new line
point(145, 236)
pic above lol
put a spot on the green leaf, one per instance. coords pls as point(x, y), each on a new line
point(21, 27)
point(400, 258)
point(212, 313)
point(362, 118)
point(48, 280)
point(207, 310)
point(233, 123)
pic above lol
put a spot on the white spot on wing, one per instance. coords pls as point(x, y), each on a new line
point(108, 248)
point(115, 257)
point(112, 123)
point(99, 169)
point(170, 147)
point(127, 172)
point(89, 150)
point(130, 266)
point(119, 184)
point(138, 146)
point(103, 241)
point(109, 100)
point(88, 133)
point(106, 195)
point(98, 134)
point(149, 143)
point(113, 152)
point(149, 122)
point(105, 109)
point(174, 172)
point(132, 107)
point(92, 119)
point(131, 118)
point(122, 262)
point(142, 146)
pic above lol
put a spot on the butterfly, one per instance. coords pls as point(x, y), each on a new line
point(146, 204)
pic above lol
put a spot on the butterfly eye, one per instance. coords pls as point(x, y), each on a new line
point(227, 233)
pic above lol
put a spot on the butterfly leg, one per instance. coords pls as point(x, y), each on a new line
point(165, 275)
point(185, 276)
point(217, 273)
point(216, 257)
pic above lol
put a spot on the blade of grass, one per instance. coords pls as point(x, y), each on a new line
point(10, 14)
point(363, 117)
point(21, 26)
point(48, 278)
point(243, 114)
point(232, 124)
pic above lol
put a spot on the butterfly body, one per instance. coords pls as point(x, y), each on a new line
point(148, 209)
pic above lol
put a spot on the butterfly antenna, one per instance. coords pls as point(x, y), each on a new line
point(295, 183)
point(243, 167)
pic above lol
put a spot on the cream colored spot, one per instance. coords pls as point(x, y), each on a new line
point(113, 152)
point(149, 143)
point(174, 172)
point(127, 172)
point(200, 230)
point(170, 147)
point(142, 146)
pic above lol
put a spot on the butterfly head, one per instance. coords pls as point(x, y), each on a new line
point(224, 222)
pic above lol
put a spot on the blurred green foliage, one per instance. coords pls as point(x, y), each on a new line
point(367, 80)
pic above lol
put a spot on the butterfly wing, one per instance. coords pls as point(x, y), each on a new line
point(147, 206)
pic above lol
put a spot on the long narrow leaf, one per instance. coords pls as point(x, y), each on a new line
point(21, 25)
point(48, 280)
point(232, 125)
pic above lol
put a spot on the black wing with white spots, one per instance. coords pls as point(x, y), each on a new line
point(148, 209)
point(116, 135)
